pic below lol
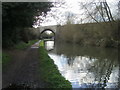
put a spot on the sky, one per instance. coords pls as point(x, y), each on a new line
point(58, 15)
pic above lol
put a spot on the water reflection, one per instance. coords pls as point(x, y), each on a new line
point(49, 45)
point(87, 67)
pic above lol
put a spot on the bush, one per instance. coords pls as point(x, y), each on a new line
point(91, 34)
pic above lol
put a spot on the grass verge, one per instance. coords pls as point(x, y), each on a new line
point(50, 73)
point(23, 45)
point(5, 58)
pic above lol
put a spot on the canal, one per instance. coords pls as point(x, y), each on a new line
point(86, 67)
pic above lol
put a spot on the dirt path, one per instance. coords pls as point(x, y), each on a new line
point(23, 69)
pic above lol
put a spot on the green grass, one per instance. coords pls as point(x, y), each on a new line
point(23, 45)
point(49, 70)
point(5, 58)
point(0, 57)
point(42, 43)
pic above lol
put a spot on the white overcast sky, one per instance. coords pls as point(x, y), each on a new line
point(73, 7)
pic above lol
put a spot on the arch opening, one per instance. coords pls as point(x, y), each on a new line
point(47, 34)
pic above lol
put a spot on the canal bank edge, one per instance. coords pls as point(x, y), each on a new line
point(50, 74)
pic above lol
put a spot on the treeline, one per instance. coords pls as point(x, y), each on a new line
point(17, 17)
point(98, 27)
point(104, 34)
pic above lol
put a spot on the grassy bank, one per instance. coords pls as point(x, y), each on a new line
point(50, 73)
point(23, 45)
point(103, 34)
point(6, 58)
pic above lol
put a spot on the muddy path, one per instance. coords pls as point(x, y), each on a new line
point(24, 68)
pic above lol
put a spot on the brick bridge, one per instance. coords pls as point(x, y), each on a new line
point(54, 29)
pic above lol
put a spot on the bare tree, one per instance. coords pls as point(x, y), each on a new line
point(108, 11)
point(88, 12)
point(119, 10)
point(70, 18)
point(98, 11)
point(56, 13)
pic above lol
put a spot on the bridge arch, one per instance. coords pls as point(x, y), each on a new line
point(46, 30)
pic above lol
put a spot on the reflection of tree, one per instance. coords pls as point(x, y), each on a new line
point(102, 70)
point(70, 61)
point(103, 60)
point(119, 77)
point(107, 74)
point(76, 50)
point(119, 68)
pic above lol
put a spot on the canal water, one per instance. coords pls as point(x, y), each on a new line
point(86, 67)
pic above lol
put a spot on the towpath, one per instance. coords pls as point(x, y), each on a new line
point(24, 68)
